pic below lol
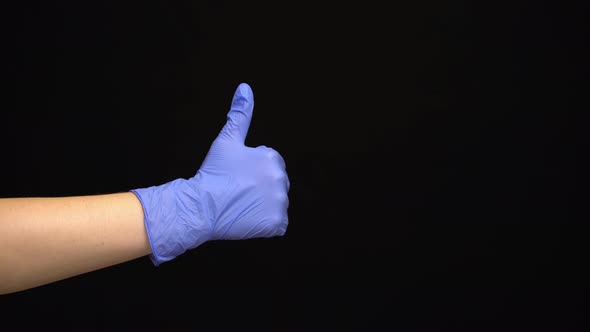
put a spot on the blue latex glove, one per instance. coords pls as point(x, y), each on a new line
point(238, 193)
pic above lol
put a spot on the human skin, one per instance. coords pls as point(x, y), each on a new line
point(43, 240)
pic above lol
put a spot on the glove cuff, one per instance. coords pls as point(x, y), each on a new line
point(173, 218)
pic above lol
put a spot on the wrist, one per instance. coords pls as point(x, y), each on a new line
point(174, 219)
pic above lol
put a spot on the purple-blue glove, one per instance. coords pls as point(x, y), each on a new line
point(238, 193)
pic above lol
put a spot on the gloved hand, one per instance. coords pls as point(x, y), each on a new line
point(238, 193)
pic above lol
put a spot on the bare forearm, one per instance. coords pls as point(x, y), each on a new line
point(48, 239)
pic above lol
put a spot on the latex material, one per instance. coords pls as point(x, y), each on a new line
point(239, 192)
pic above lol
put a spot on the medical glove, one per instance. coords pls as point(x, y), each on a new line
point(239, 192)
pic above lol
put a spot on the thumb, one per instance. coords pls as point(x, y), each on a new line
point(240, 114)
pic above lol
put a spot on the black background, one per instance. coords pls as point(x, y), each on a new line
point(434, 152)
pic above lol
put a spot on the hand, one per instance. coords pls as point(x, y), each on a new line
point(238, 193)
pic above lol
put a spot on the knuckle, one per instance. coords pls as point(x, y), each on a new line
point(278, 156)
point(282, 197)
point(272, 154)
point(280, 177)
